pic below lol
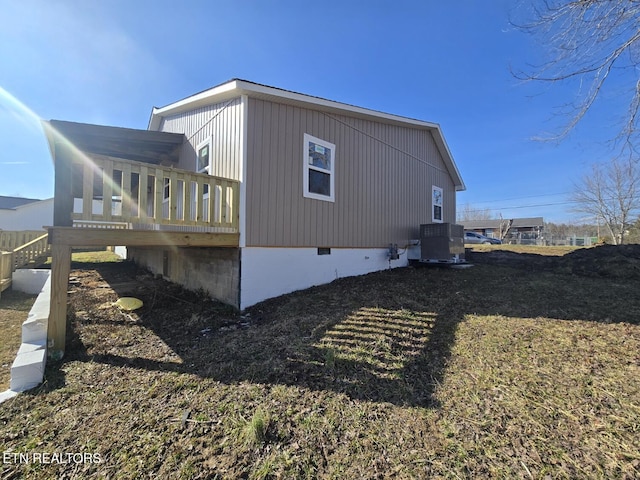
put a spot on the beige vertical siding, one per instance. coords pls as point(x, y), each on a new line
point(222, 124)
point(384, 175)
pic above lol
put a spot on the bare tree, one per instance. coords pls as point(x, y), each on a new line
point(469, 212)
point(611, 193)
point(505, 225)
point(596, 44)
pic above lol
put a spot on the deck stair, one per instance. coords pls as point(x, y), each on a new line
point(33, 252)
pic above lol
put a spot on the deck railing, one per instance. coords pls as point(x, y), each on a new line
point(146, 196)
point(21, 256)
point(31, 251)
point(5, 270)
point(10, 240)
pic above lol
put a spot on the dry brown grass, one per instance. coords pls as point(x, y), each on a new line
point(535, 249)
point(490, 371)
point(14, 308)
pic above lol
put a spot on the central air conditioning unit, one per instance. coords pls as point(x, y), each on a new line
point(441, 243)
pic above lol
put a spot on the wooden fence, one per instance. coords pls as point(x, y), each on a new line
point(10, 240)
point(140, 195)
point(6, 269)
point(22, 255)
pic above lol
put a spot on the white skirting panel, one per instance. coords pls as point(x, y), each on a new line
point(271, 272)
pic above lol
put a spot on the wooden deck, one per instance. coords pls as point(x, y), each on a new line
point(94, 237)
point(103, 201)
point(121, 202)
point(141, 195)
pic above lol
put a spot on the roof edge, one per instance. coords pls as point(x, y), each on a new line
point(237, 87)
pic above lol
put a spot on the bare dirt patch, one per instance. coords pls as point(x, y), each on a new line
point(491, 371)
point(614, 261)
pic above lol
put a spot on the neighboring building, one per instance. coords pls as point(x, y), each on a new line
point(17, 213)
point(297, 190)
point(525, 230)
point(488, 228)
point(514, 230)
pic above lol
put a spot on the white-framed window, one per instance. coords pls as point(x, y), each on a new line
point(166, 194)
point(319, 169)
point(166, 191)
point(203, 165)
point(203, 157)
point(436, 204)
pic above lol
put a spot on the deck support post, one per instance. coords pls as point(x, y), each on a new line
point(63, 186)
point(57, 328)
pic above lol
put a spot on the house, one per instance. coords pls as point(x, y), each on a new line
point(492, 228)
point(514, 230)
point(18, 213)
point(526, 230)
point(249, 191)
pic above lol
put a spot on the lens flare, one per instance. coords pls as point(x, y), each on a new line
point(32, 121)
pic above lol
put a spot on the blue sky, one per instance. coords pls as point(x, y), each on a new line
point(109, 62)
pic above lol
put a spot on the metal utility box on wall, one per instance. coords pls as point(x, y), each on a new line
point(441, 243)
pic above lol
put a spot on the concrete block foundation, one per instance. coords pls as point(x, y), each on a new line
point(214, 270)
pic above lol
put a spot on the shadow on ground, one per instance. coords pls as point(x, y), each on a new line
point(382, 337)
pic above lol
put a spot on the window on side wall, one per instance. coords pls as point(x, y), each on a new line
point(166, 191)
point(166, 194)
point(203, 160)
point(436, 204)
point(203, 165)
point(319, 169)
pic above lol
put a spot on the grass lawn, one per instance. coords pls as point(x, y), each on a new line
point(99, 256)
point(14, 308)
point(534, 249)
point(485, 372)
